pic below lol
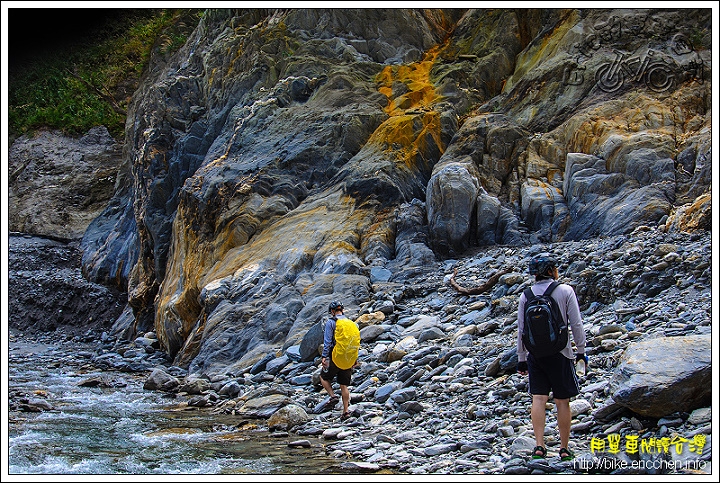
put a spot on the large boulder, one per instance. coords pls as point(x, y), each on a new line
point(288, 416)
point(311, 343)
point(657, 377)
point(159, 380)
point(263, 406)
point(451, 203)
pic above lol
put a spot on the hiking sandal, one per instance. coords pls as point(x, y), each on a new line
point(566, 454)
point(540, 452)
point(345, 415)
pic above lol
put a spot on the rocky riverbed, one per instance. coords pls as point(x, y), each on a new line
point(437, 392)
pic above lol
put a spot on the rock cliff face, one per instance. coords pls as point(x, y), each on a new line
point(286, 158)
point(57, 185)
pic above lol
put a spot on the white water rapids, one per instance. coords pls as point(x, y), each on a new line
point(123, 429)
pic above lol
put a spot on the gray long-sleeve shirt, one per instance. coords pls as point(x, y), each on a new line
point(328, 336)
point(565, 296)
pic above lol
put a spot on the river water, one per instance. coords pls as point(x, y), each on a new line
point(118, 428)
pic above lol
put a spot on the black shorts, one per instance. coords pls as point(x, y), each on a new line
point(344, 376)
point(554, 373)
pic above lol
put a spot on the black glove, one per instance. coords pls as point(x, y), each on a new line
point(522, 366)
point(578, 357)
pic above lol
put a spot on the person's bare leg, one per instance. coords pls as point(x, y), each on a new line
point(564, 419)
point(345, 393)
point(328, 387)
point(537, 416)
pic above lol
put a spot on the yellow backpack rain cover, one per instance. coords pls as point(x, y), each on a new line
point(347, 343)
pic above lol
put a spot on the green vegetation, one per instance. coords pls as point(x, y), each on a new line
point(91, 81)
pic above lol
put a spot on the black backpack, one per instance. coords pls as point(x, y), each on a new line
point(544, 331)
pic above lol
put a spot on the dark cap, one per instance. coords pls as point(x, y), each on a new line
point(540, 264)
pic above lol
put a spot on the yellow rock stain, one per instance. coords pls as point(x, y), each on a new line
point(328, 225)
point(293, 241)
point(416, 77)
point(412, 123)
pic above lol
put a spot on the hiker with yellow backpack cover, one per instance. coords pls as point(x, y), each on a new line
point(341, 344)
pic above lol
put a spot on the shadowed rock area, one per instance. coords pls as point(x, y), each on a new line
point(48, 293)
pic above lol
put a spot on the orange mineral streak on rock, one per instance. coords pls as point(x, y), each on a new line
point(694, 216)
point(412, 123)
point(177, 306)
point(416, 77)
point(408, 136)
point(291, 242)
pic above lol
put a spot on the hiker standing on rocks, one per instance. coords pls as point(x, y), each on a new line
point(550, 368)
point(341, 342)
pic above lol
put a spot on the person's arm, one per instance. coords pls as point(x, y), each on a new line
point(328, 336)
point(575, 320)
point(521, 351)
